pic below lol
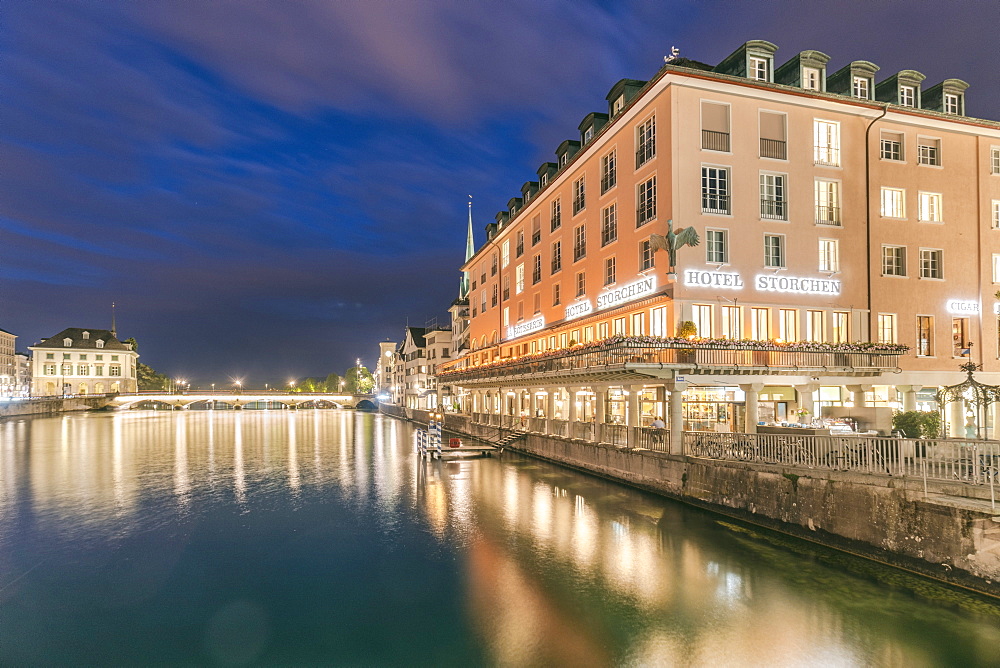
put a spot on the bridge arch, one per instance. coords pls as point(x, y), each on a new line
point(366, 405)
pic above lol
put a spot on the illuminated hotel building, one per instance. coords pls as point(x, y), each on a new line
point(832, 207)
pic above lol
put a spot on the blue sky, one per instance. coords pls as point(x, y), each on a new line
point(267, 189)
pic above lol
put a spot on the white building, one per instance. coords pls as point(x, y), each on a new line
point(384, 368)
point(83, 361)
point(8, 367)
point(22, 372)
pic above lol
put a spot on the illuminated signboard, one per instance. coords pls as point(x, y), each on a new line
point(522, 328)
point(960, 306)
point(641, 288)
point(714, 279)
point(578, 309)
point(806, 286)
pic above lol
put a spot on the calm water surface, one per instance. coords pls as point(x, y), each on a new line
point(318, 537)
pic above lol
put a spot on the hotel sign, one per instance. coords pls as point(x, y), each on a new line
point(578, 309)
point(715, 279)
point(960, 306)
point(806, 286)
point(522, 328)
point(635, 290)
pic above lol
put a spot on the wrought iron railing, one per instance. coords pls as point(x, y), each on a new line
point(714, 202)
point(827, 215)
point(774, 209)
point(773, 148)
point(715, 141)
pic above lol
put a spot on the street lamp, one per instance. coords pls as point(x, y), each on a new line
point(213, 387)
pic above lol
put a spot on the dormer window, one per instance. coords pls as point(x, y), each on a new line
point(952, 104)
point(86, 335)
point(545, 179)
point(810, 78)
point(67, 342)
point(908, 96)
point(861, 89)
point(758, 68)
point(618, 105)
point(99, 343)
point(563, 159)
point(588, 134)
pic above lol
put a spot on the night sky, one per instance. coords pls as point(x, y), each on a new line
point(267, 189)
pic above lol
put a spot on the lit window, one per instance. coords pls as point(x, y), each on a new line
point(826, 143)
point(930, 208)
point(931, 263)
point(758, 68)
point(810, 78)
point(995, 160)
point(701, 316)
point(952, 104)
point(893, 203)
point(839, 332)
point(827, 197)
point(996, 268)
point(760, 324)
point(908, 96)
point(787, 325)
point(732, 322)
point(638, 324)
point(519, 279)
point(505, 254)
point(814, 326)
point(658, 321)
point(860, 88)
point(588, 134)
point(925, 335)
point(829, 255)
point(996, 214)
point(609, 271)
point(887, 328)
point(893, 260)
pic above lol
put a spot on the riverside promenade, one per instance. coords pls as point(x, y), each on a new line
point(925, 506)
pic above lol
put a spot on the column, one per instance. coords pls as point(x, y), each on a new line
point(632, 414)
point(601, 411)
point(550, 408)
point(752, 391)
point(909, 393)
point(676, 424)
point(956, 419)
point(858, 395)
point(571, 408)
point(805, 394)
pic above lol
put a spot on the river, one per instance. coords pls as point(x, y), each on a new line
point(319, 537)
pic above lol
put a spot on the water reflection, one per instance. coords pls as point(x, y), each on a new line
point(523, 563)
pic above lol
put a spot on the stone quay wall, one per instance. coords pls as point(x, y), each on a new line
point(51, 405)
point(893, 521)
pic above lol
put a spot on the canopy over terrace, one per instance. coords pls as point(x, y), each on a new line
point(971, 400)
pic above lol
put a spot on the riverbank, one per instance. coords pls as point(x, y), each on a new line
point(50, 405)
point(889, 520)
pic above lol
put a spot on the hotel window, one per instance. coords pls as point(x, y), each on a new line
point(536, 270)
point(714, 126)
point(602, 330)
point(810, 78)
point(716, 246)
point(701, 316)
point(772, 196)
point(618, 327)
point(887, 328)
point(827, 195)
point(609, 173)
point(506, 288)
point(609, 225)
point(952, 104)
point(996, 268)
point(505, 254)
point(787, 325)
point(894, 260)
point(556, 298)
point(774, 250)
point(931, 263)
point(646, 197)
point(996, 214)
point(929, 151)
point(960, 337)
point(588, 334)
point(579, 243)
point(482, 304)
point(556, 256)
point(758, 68)
point(114, 370)
point(715, 189)
point(826, 143)
point(563, 340)
point(555, 213)
point(760, 326)
point(579, 195)
point(506, 316)
point(519, 279)
point(891, 146)
point(645, 255)
point(638, 324)
point(839, 327)
point(732, 322)
point(581, 284)
point(860, 88)
point(772, 135)
point(814, 326)
point(908, 96)
point(645, 142)
point(929, 209)
point(536, 230)
point(925, 335)
point(995, 160)
point(893, 203)
point(829, 255)
point(609, 271)
point(493, 301)
point(658, 321)
point(519, 251)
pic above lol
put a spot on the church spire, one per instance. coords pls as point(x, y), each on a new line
point(114, 328)
point(470, 250)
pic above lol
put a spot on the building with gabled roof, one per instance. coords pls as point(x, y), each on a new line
point(83, 361)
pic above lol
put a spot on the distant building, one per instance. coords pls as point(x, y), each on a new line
point(384, 368)
point(421, 349)
point(8, 368)
point(83, 361)
point(22, 372)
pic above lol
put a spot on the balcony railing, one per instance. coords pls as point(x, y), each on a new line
point(711, 355)
point(773, 148)
point(773, 209)
point(578, 204)
point(644, 154)
point(608, 182)
point(827, 215)
point(714, 203)
point(826, 155)
point(712, 140)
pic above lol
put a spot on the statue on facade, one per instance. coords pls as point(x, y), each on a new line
point(672, 241)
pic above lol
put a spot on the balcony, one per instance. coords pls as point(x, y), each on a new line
point(773, 148)
point(714, 203)
point(712, 140)
point(644, 154)
point(608, 182)
point(773, 209)
point(578, 204)
point(827, 215)
point(630, 357)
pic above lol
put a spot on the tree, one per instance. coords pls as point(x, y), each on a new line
point(149, 379)
point(135, 346)
point(359, 380)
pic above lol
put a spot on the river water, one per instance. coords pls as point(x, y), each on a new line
point(319, 537)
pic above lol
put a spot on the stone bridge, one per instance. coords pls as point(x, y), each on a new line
point(242, 399)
